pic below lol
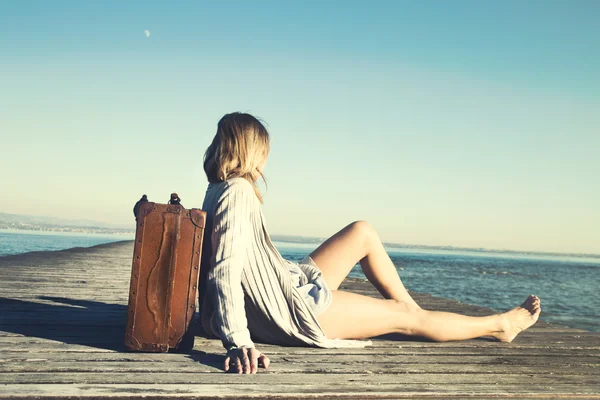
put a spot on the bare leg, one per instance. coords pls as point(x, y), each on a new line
point(358, 242)
point(353, 316)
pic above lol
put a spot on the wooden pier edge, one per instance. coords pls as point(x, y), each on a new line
point(62, 317)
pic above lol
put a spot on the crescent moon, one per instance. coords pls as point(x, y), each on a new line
point(147, 33)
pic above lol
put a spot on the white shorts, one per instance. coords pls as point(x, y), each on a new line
point(309, 281)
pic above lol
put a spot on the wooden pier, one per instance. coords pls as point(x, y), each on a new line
point(62, 317)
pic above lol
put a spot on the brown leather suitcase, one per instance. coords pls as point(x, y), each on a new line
point(164, 276)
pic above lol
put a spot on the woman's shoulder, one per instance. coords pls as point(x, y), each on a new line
point(238, 181)
point(240, 188)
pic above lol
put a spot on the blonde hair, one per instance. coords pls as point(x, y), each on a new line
point(240, 146)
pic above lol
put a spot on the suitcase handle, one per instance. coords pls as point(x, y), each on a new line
point(139, 203)
point(174, 200)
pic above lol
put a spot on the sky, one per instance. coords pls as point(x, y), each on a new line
point(467, 123)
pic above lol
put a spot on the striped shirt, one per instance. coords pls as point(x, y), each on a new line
point(249, 289)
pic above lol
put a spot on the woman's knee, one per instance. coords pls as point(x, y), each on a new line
point(364, 229)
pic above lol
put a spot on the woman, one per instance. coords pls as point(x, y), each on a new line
point(254, 293)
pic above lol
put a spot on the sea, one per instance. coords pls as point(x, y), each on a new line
point(567, 285)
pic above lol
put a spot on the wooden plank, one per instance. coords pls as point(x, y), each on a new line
point(254, 390)
point(293, 365)
point(267, 378)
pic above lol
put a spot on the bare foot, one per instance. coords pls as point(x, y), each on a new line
point(518, 319)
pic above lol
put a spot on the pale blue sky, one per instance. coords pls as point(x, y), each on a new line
point(463, 123)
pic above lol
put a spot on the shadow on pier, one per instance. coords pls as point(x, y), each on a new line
point(82, 322)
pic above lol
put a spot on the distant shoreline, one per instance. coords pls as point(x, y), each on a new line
point(285, 239)
point(302, 240)
point(69, 229)
point(310, 240)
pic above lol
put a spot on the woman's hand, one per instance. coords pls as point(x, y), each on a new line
point(245, 360)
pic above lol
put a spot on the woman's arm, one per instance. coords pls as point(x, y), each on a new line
point(231, 232)
point(232, 228)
